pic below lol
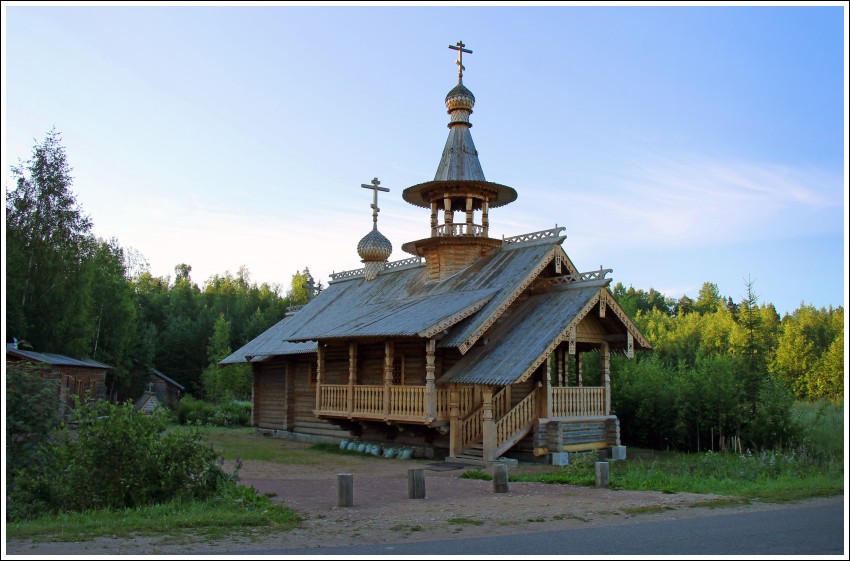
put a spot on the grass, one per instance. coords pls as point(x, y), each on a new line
point(247, 444)
point(213, 519)
point(464, 522)
point(766, 476)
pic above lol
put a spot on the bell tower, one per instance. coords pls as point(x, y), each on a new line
point(458, 187)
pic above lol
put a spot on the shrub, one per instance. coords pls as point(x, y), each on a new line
point(117, 457)
point(32, 411)
point(197, 412)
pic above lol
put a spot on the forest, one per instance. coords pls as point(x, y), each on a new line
point(718, 365)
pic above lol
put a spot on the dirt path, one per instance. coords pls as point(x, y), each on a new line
point(382, 513)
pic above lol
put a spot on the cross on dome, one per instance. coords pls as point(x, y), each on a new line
point(375, 209)
point(459, 47)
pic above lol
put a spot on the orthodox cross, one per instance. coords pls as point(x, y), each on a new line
point(310, 286)
point(460, 67)
point(375, 209)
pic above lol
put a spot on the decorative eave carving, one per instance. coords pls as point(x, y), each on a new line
point(553, 235)
point(573, 280)
point(454, 318)
point(520, 288)
point(612, 304)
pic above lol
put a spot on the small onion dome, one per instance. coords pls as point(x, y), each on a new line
point(374, 247)
point(460, 98)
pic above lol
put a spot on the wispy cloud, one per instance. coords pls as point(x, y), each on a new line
point(674, 201)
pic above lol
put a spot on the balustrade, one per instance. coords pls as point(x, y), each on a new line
point(407, 401)
point(459, 229)
point(586, 401)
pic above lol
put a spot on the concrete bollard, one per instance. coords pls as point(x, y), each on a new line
point(345, 489)
point(416, 484)
point(500, 478)
point(602, 474)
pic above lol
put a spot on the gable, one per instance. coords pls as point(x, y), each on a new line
point(514, 348)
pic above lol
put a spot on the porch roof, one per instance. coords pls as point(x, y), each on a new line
point(513, 346)
point(271, 342)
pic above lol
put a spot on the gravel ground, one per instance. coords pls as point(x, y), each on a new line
point(382, 513)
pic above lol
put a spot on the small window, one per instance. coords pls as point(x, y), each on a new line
point(398, 370)
point(312, 375)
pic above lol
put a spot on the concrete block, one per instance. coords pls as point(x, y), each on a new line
point(618, 453)
point(561, 459)
point(601, 474)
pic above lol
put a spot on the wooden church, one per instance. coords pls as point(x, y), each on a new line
point(471, 349)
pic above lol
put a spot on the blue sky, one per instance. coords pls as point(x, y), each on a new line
point(677, 145)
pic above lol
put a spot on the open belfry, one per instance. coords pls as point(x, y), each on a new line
point(471, 350)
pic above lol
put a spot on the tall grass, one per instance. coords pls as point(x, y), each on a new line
point(811, 467)
point(821, 425)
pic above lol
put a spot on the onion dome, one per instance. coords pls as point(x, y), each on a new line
point(374, 246)
point(460, 98)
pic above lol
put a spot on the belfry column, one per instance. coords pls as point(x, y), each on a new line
point(448, 216)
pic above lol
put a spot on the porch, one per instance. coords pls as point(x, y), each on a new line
point(482, 417)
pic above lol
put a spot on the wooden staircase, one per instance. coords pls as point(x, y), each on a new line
point(511, 426)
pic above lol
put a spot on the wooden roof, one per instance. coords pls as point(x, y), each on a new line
point(55, 359)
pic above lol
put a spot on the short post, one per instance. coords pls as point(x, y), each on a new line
point(602, 474)
point(345, 489)
point(416, 484)
point(500, 478)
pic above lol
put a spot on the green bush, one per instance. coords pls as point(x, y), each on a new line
point(32, 411)
point(191, 411)
point(117, 457)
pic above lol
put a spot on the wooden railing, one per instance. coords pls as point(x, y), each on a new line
point(465, 402)
point(459, 229)
point(334, 397)
point(500, 404)
point(407, 401)
point(587, 401)
point(471, 426)
point(516, 419)
point(368, 400)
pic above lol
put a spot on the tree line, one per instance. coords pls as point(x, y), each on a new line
point(721, 368)
point(72, 293)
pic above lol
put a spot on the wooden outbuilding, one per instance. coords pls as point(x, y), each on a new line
point(471, 349)
point(84, 378)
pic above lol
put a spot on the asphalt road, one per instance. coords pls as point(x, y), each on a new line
point(795, 530)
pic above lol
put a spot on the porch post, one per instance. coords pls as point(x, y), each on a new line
point(605, 359)
point(488, 428)
point(388, 375)
point(320, 366)
point(352, 376)
point(559, 352)
point(578, 369)
point(454, 422)
point(430, 393)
